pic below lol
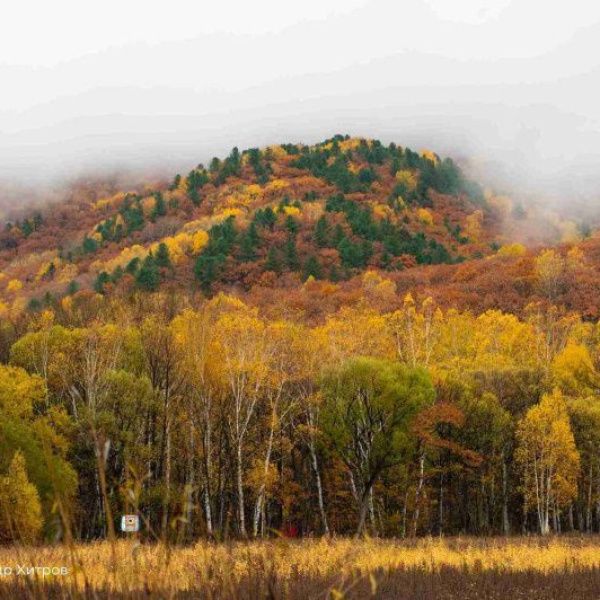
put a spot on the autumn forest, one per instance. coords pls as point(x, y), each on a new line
point(349, 338)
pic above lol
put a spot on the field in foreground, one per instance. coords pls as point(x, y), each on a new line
point(541, 568)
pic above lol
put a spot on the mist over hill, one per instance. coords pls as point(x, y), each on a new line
point(523, 113)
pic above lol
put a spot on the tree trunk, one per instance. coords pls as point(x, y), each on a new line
point(315, 466)
point(505, 521)
point(240, 492)
point(364, 509)
point(418, 493)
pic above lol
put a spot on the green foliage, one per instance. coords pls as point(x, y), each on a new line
point(31, 427)
point(209, 264)
point(90, 245)
point(321, 234)
point(148, 277)
point(160, 208)
point(249, 243)
point(290, 254)
point(262, 169)
point(273, 263)
point(312, 268)
point(369, 407)
point(162, 258)
point(101, 280)
point(20, 507)
point(265, 217)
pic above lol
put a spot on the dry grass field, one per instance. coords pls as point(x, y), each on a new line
point(461, 568)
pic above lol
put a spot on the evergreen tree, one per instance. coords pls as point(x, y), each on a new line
point(291, 225)
point(249, 243)
point(291, 255)
point(322, 232)
point(90, 245)
point(176, 182)
point(72, 288)
point(312, 268)
point(162, 258)
point(160, 208)
point(132, 266)
point(206, 270)
point(273, 263)
point(266, 217)
point(27, 228)
point(102, 279)
point(148, 277)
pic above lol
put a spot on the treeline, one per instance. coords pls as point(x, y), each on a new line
point(214, 421)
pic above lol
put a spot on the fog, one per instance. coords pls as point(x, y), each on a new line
point(508, 88)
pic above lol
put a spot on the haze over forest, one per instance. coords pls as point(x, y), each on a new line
point(518, 106)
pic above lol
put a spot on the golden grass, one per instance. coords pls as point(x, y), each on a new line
point(334, 563)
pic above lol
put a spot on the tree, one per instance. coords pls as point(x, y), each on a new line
point(273, 262)
point(312, 268)
point(35, 430)
point(162, 258)
point(369, 407)
point(321, 234)
point(160, 208)
point(243, 352)
point(102, 279)
point(20, 507)
point(291, 255)
point(148, 277)
point(90, 245)
point(548, 458)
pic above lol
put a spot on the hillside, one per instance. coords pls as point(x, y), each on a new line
point(342, 338)
point(269, 223)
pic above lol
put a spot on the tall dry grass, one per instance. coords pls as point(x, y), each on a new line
point(453, 568)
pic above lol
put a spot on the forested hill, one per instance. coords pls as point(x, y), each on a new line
point(269, 223)
point(298, 339)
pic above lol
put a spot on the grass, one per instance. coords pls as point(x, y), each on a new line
point(428, 569)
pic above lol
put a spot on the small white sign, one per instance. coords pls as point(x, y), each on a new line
point(130, 523)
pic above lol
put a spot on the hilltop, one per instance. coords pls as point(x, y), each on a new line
point(297, 227)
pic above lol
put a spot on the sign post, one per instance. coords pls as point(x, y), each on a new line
point(130, 523)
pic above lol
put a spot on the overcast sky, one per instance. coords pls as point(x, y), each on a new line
point(511, 85)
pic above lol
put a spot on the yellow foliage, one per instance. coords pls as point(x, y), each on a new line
point(126, 255)
point(549, 269)
point(228, 212)
point(569, 232)
point(291, 210)
point(511, 250)
point(14, 285)
point(105, 203)
point(199, 240)
point(548, 457)
point(277, 184)
point(429, 155)
point(277, 152)
point(148, 205)
point(573, 370)
point(473, 227)
point(382, 211)
point(407, 178)
point(350, 144)
point(67, 304)
point(425, 216)
point(21, 514)
point(67, 273)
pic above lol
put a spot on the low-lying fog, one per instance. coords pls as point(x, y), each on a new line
point(511, 88)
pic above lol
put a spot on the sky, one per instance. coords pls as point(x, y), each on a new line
point(510, 85)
